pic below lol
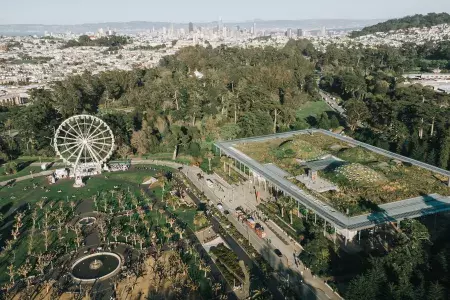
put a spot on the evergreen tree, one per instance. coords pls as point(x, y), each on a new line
point(324, 122)
point(431, 157)
point(334, 122)
point(436, 292)
point(444, 152)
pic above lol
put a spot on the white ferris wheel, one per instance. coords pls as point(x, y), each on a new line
point(85, 143)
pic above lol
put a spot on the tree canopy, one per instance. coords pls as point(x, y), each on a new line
point(417, 20)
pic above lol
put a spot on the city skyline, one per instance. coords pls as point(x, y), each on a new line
point(83, 11)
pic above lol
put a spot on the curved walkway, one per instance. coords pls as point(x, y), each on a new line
point(31, 176)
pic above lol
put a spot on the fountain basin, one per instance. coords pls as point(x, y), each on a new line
point(86, 221)
point(95, 267)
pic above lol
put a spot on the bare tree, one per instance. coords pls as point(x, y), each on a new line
point(40, 203)
point(101, 224)
point(11, 272)
point(126, 235)
point(24, 270)
point(72, 205)
point(141, 241)
point(116, 231)
point(46, 234)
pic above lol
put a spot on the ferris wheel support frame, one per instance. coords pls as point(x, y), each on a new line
point(84, 145)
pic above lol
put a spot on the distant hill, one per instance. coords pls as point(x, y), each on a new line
point(420, 21)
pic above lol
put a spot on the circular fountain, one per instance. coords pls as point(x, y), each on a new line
point(95, 267)
point(86, 221)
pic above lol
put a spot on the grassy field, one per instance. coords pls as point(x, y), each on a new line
point(312, 109)
point(365, 180)
point(24, 170)
point(34, 190)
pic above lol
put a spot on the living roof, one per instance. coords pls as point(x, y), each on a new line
point(408, 179)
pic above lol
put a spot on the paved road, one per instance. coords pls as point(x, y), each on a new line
point(241, 253)
point(312, 288)
point(332, 103)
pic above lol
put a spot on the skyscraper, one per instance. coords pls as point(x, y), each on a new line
point(300, 33)
point(191, 27)
point(323, 32)
point(220, 24)
point(289, 32)
point(253, 30)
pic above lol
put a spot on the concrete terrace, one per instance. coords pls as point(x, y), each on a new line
point(348, 226)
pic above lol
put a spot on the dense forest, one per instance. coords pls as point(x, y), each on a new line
point(420, 21)
point(246, 92)
point(253, 91)
point(106, 41)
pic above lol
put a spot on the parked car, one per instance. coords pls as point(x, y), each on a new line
point(278, 253)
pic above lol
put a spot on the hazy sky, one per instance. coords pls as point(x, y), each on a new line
point(86, 11)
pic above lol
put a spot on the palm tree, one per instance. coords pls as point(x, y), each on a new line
point(290, 206)
point(207, 269)
point(283, 204)
point(209, 156)
point(193, 286)
point(224, 160)
point(216, 287)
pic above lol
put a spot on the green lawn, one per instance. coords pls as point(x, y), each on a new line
point(185, 214)
point(312, 109)
point(34, 189)
point(24, 171)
